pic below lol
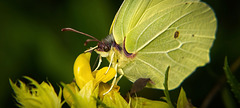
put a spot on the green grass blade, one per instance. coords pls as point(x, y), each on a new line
point(234, 84)
point(165, 84)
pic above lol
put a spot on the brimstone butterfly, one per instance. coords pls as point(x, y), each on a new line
point(147, 36)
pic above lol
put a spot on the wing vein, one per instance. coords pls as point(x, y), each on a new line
point(150, 65)
point(160, 32)
point(177, 62)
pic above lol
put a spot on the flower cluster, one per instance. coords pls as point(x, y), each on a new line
point(90, 86)
point(87, 91)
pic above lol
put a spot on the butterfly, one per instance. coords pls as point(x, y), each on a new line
point(147, 36)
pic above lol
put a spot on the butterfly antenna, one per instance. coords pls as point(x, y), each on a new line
point(89, 40)
point(71, 29)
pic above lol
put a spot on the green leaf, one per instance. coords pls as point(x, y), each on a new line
point(235, 85)
point(183, 101)
point(165, 84)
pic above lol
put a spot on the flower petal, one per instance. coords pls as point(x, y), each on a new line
point(104, 87)
point(102, 76)
point(69, 92)
point(82, 69)
point(113, 99)
point(146, 103)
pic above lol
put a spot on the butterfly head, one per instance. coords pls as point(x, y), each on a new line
point(103, 46)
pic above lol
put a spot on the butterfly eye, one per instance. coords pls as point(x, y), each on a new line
point(103, 47)
point(106, 48)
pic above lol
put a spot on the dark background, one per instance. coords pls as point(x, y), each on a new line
point(31, 44)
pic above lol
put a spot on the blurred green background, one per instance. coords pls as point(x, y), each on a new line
point(32, 44)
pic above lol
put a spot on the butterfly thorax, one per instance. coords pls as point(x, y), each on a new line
point(119, 59)
point(108, 46)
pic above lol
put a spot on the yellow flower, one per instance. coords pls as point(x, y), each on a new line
point(113, 99)
point(84, 98)
point(68, 95)
point(37, 95)
point(83, 73)
point(82, 70)
point(87, 81)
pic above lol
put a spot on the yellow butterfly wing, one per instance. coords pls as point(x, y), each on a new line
point(175, 33)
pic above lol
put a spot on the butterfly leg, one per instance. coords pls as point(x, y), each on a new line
point(110, 62)
point(120, 71)
point(112, 85)
point(115, 80)
point(99, 63)
point(115, 77)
